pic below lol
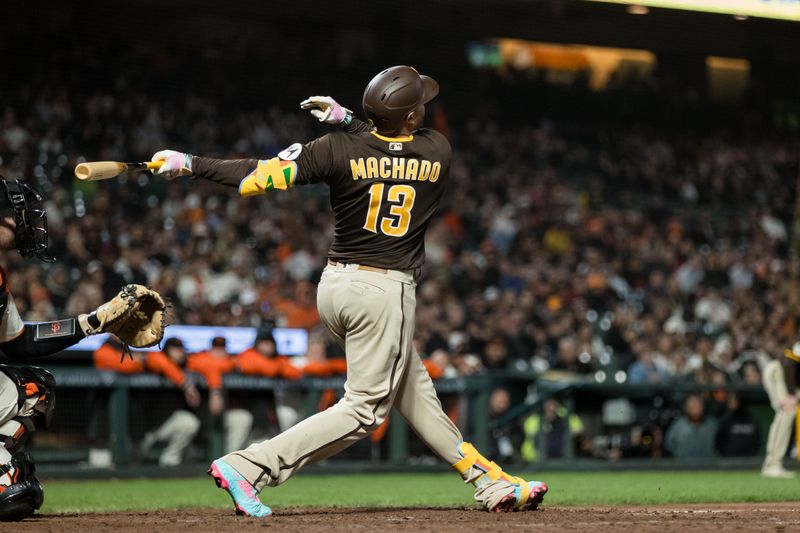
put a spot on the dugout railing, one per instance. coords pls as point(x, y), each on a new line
point(120, 394)
point(119, 387)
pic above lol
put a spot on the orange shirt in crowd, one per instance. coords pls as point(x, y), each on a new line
point(433, 369)
point(160, 363)
point(107, 357)
point(251, 362)
point(211, 367)
point(297, 315)
point(324, 368)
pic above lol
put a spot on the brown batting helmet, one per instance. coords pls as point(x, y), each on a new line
point(394, 93)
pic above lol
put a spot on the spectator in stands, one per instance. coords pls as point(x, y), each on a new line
point(568, 359)
point(750, 373)
point(263, 359)
point(178, 430)
point(111, 356)
point(505, 439)
point(644, 370)
point(317, 364)
point(496, 355)
point(692, 435)
point(548, 434)
point(738, 434)
point(212, 365)
point(300, 311)
point(439, 366)
point(717, 404)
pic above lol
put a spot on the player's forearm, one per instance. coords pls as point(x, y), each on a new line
point(229, 172)
point(47, 338)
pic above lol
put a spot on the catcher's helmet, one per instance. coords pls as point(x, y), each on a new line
point(24, 203)
point(395, 92)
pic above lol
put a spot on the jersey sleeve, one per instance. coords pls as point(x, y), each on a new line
point(228, 172)
point(314, 160)
point(298, 164)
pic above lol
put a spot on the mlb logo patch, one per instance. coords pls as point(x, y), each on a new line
point(396, 147)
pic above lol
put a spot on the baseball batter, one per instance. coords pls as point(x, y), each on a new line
point(386, 183)
point(780, 381)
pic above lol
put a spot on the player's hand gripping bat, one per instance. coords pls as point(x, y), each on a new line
point(103, 170)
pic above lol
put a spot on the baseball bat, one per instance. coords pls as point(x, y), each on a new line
point(103, 170)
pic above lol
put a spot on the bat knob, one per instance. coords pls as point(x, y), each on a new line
point(82, 171)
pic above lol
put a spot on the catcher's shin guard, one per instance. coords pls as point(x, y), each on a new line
point(21, 494)
point(36, 388)
point(496, 490)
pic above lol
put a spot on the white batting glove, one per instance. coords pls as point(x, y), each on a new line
point(175, 164)
point(326, 109)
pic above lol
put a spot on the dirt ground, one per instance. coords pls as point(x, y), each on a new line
point(782, 517)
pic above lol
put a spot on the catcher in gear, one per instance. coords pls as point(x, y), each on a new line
point(27, 393)
point(386, 183)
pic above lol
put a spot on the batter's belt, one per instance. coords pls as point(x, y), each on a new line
point(403, 276)
point(363, 267)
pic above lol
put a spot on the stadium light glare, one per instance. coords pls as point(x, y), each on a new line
point(776, 9)
point(638, 10)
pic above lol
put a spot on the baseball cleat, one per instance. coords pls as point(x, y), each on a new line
point(777, 472)
point(24, 495)
point(240, 490)
point(490, 482)
point(515, 500)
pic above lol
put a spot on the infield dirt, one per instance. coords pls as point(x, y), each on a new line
point(714, 517)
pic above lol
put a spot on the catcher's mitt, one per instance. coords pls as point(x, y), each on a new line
point(137, 316)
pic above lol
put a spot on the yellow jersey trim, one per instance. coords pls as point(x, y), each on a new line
point(791, 355)
point(393, 139)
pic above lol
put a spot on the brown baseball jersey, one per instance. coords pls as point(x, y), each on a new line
point(383, 190)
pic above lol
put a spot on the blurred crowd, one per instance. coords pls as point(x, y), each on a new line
point(621, 254)
point(691, 426)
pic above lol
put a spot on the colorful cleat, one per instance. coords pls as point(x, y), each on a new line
point(240, 490)
point(515, 501)
point(491, 482)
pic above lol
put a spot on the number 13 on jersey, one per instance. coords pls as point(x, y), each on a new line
point(399, 219)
